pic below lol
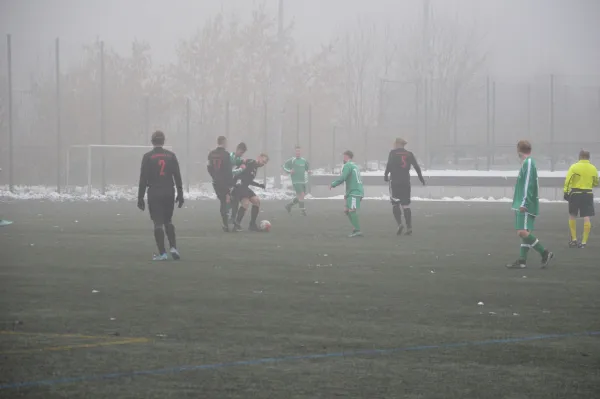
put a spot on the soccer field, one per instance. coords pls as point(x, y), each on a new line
point(301, 312)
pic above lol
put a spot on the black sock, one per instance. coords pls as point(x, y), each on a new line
point(397, 214)
point(170, 230)
point(254, 214)
point(240, 215)
point(223, 210)
point(408, 217)
point(159, 236)
point(234, 209)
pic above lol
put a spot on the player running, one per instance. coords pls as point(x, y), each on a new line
point(299, 169)
point(354, 191)
point(526, 205)
point(159, 172)
point(220, 169)
point(238, 166)
point(244, 194)
point(399, 163)
point(579, 183)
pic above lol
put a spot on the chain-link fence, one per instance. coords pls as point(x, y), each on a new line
point(477, 125)
point(61, 94)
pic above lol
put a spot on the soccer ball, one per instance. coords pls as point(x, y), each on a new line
point(265, 225)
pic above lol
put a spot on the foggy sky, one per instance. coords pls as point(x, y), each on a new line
point(522, 36)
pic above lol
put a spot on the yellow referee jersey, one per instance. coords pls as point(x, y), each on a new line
point(582, 176)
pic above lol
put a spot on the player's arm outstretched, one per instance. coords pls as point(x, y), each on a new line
point(415, 164)
point(346, 170)
point(178, 181)
point(143, 183)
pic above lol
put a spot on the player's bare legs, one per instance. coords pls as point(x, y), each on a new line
point(170, 230)
point(255, 201)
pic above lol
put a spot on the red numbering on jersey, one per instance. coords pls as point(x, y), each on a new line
point(404, 165)
point(162, 164)
point(217, 163)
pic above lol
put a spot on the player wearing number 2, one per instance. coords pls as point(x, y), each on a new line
point(399, 163)
point(354, 191)
point(159, 172)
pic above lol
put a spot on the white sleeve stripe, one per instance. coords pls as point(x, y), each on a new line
point(526, 182)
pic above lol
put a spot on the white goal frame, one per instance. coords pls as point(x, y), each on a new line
point(90, 147)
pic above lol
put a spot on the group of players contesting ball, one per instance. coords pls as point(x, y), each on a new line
point(233, 175)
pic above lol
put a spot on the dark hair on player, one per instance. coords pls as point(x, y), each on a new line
point(242, 147)
point(524, 147)
point(297, 147)
point(158, 138)
point(349, 153)
point(221, 140)
point(583, 154)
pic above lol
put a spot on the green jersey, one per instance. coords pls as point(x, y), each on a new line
point(526, 189)
point(351, 176)
point(236, 162)
point(298, 168)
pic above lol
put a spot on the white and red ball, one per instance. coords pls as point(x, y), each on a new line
point(265, 225)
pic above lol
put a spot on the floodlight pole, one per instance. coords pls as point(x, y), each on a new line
point(58, 127)
point(10, 115)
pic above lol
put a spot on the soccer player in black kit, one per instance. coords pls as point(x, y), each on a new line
point(399, 162)
point(159, 173)
point(220, 169)
point(244, 194)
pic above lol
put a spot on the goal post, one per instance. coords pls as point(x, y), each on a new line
point(89, 149)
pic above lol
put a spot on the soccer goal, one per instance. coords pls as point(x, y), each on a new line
point(131, 151)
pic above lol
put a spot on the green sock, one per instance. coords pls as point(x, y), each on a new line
point(354, 220)
point(535, 244)
point(524, 250)
point(294, 201)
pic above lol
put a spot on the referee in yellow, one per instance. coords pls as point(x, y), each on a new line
point(581, 179)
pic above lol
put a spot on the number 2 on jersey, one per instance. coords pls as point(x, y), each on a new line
point(162, 164)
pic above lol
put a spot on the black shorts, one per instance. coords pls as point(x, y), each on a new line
point(221, 191)
point(581, 204)
point(161, 208)
point(400, 194)
point(241, 192)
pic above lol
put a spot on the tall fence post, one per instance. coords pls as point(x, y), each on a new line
point(187, 145)
point(265, 136)
point(455, 127)
point(310, 139)
point(298, 124)
point(333, 133)
point(310, 133)
point(552, 123)
point(146, 115)
point(493, 129)
point(529, 110)
point(227, 119)
point(58, 111)
point(488, 122)
point(365, 143)
point(10, 115)
point(102, 120)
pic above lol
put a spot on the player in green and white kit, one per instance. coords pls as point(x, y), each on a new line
point(238, 166)
point(526, 205)
point(299, 169)
point(354, 191)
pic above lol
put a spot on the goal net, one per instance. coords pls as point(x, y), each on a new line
point(104, 165)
